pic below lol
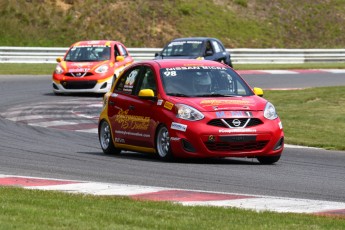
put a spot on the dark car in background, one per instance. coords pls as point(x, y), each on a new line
point(195, 48)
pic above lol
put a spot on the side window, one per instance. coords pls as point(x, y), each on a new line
point(126, 83)
point(116, 50)
point(217, 47)
point(149, 81)
point(209, 49)
point(123, 51)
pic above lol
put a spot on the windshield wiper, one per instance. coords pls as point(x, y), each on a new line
point(215, 95)
point(178, 94)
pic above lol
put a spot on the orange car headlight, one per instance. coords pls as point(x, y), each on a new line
point(102, 69)
point(58, 69)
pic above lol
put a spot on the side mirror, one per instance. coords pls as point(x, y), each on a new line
point(59, 59)
point(120, 58)
point(258, 91)
point(147, 93)
point(156, 54)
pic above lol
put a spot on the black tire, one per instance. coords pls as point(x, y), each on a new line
point(106, 139)
point(163, 144)
point(268, 160)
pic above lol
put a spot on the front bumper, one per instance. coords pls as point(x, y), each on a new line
point(262, 140)
point(82, 86)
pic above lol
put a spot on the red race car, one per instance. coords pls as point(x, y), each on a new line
point(189, 108)
point(90, 67)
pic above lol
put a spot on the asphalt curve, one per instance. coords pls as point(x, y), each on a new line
point(29, 150)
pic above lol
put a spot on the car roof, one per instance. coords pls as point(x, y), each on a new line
point(95, 42)
point(170, 63)
point(194, 38)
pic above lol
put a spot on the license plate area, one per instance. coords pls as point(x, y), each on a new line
point(238, 138)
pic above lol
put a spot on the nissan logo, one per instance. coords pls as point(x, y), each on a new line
point(236, 122)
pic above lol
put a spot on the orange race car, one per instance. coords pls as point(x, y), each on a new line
point(90, 67)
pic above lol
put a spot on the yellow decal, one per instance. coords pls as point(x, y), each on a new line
point(96, 66)
point(168, 105)
point(63, 65)
point(107, 43)
point(135, 148)
point(104, 80)
point(132, 122)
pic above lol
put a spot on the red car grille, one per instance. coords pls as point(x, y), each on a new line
point(242, 122)
point(241, 146)
point(78, 74)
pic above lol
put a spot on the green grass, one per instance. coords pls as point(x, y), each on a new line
point(26, 69)
point(312, 117)
point(147, 23)
point(34, 209)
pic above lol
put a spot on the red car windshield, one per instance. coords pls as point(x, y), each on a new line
point(203, 81)
point(88, 53)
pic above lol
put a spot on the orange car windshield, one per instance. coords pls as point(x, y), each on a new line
point(88, 54)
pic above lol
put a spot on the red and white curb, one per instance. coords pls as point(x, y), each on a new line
point(184, 197)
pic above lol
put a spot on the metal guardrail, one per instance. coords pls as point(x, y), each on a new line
point(238, 56)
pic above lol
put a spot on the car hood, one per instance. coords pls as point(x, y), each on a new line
point(211, 104)
point(82, 66)
point(177, 57)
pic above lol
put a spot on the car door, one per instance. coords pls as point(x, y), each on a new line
point(129, 115)
point(219, 51)
point(209, 53)
point(214, 51)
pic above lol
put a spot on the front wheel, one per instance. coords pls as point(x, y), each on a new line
point(268, 160)
point(106, 139)
point(163, 144)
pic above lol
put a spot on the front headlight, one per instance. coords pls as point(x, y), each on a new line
point(188, 113)
point(58, 69)
point(102, 69)
point(270, 111)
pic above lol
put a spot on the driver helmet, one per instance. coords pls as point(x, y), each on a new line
point(105, 53)
point(202, 83)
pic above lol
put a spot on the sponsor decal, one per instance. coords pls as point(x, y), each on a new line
point(188, 67)
point(131, 121)
point(114, 95)
point(137, 134)
point(175, 138)
point(223, 114)
point(119, 140)
point(79, 70)
point(224, 102)
point(280, 125)
point(168, 105)
point(237, 130)
point(130, 81)
point(178, 126)
point(160, 102)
